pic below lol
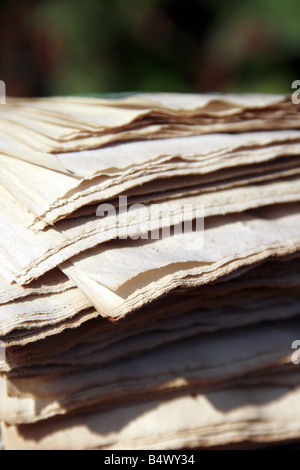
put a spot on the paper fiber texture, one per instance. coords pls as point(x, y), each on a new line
point(118, 334)
point(50, 124)
point(39, 310)
point(52, 282)
point(269, 285)
point(103, 347)
point(124, 277)
point(49, 190)
point(28, 255)
point(226, 417)
point(165, 371)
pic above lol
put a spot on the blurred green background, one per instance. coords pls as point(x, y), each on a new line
point(54, 47)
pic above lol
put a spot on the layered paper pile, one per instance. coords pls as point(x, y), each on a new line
point(150, 272)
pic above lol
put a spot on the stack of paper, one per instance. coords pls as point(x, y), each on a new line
point(150, 272)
